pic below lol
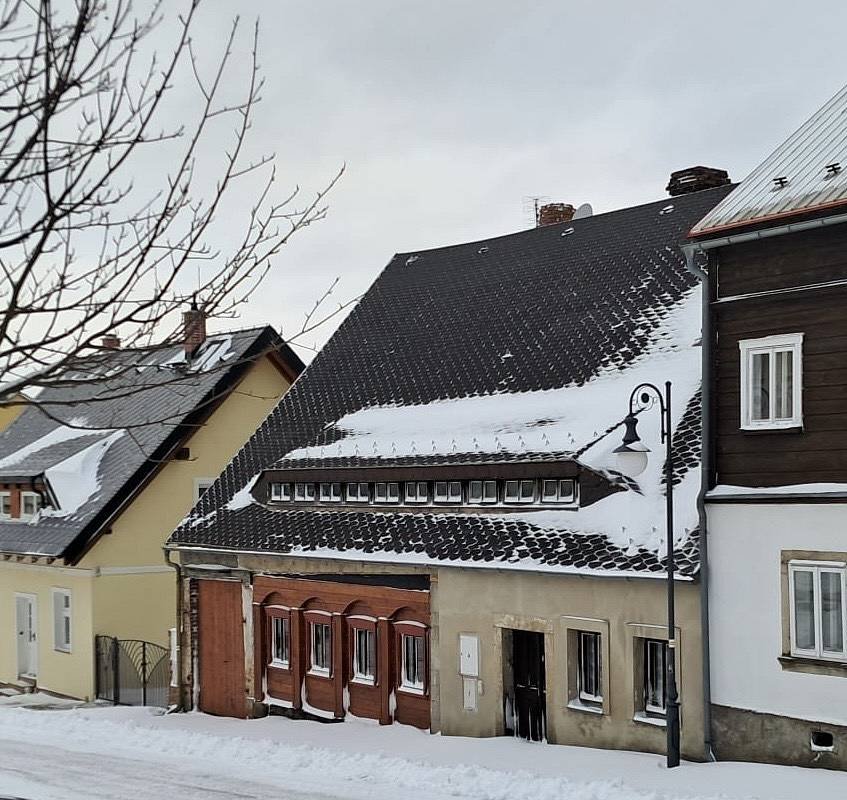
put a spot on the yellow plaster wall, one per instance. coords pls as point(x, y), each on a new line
point(64, 673)
point(8, 414)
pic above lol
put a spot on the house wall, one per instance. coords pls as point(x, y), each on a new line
point(488, 602)
point(747, 612)
point(63, 673)
point(8, 414)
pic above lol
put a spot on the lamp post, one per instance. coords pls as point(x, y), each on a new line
point(632, 460)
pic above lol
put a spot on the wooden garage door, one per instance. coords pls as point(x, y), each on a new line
point(221, 650)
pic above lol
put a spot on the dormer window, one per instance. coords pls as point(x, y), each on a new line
point(280, 491)
point(5, 505)
point(417, 492)
point(387, 492)
point(520, 492)
point(358, 493)
point(304, 492)
point(30, 504)
point(330, 492)
point(482, 492)
point(448, 492)
point(561, 491)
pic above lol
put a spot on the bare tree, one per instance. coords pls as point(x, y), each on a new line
point(83, 250)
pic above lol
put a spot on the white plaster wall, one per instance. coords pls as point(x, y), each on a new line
point(745, 542)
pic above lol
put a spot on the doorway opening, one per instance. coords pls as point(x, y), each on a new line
point(525, 682)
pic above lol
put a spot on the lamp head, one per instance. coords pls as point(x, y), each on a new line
point(632, 454)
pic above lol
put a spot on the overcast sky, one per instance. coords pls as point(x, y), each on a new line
point(449, 114)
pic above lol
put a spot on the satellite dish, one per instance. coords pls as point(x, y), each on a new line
point(585, 210)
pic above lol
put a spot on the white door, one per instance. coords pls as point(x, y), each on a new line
point(25, 618)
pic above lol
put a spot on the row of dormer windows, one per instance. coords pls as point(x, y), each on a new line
point(30, 503)
point(468, 492)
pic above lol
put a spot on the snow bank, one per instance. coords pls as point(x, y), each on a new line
point(811, 489)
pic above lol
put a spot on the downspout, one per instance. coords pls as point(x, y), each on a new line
point(178, 573)
point(705, 471)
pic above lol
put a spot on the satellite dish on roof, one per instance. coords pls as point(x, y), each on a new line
point(585, 210)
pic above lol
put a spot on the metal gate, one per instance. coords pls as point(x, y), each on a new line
point(131, 672)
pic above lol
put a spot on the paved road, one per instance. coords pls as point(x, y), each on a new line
point(51, 773)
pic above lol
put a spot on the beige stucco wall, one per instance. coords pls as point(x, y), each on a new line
point(122, 586)
point(484, 603)
point(8, 414)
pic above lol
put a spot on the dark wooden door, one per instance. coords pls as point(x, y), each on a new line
point(529, 676)
point(221, 648)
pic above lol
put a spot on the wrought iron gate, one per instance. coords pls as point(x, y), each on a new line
point(131, 672)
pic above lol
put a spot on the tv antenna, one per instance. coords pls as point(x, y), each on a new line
point(531, 205)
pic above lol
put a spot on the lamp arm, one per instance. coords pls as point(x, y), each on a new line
point(644, 388)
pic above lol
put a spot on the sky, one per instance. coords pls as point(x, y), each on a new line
point(449, 115)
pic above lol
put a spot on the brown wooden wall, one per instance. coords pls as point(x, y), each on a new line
point(817, 452)
point(221, 648)
point(302, 599)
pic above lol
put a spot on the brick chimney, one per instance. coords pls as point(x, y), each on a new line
point(554, 213)
point(110, 342)
point(194, 328)
point(693, 179)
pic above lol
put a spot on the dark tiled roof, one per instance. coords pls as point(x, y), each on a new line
point(543, 309)
point(142, 387)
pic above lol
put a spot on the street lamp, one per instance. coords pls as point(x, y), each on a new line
point(632, 461)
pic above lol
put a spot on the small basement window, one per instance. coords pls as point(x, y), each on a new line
point(771, 382)
point(822, 741)
point(330, 492)
point(304, 492)
point(280, 491)
point(387, 492)
point(417, 492)
point(558, 491)
point(520, 491)
point(358, 492)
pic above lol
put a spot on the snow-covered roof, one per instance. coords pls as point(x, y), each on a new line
point(806, 173)
point(520, 348)
point(91, 452)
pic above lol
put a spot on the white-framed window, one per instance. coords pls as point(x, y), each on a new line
point(5, 505)
point(417, 492)
point(304, 491)
point(358, 493)
point(590, 669)
point(201, 485)
point(387, 492)
point(818, 601)
point(62, 628)
point(364, 655)
point(520, 491)
point(771, 382)
point(558, 491)
point(280, 491)
point(330, 492)
point(321, 648)
point(482, 492)
point(655, 672)
point(413, 666)
point(448, 492)
point(280, 641)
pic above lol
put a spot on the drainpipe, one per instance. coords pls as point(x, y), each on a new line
point(178, 574)
point(705, 472)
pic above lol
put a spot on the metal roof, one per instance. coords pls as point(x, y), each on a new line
point(800, 165)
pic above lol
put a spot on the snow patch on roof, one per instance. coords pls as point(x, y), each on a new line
point(811, 489)
point(63, 433)
point(243, 497)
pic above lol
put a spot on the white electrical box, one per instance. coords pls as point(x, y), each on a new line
point(469, 693)
point(469, 655)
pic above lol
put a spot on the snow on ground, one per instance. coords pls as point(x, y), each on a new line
point(143, 755)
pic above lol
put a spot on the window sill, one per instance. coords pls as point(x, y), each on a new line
point(813, 666)
point(361, 680)
point(411, 690)
point(317, 672)
point(794, 427)
point(644, 719)
point(280, 665)
point(585, 708)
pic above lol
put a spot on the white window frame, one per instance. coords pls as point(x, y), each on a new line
point(359, 675)
point(520, 497)
point(5, 495)
point(285, 625)
point(304, 492)
point(315, 668)
point(561, 494)
point(416, 686)
point(592, 698)
point(651, 708)
point(66, 644)
point(358, 492)
point(816, 568)
point(328, 493)
point(201, 486)
point(789, 342)
point(280, 491)
point(413, 491)
point(383, 492)
point(484, 500)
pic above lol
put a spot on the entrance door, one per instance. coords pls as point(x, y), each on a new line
point(25, 626)
point(221, 648)
point(529, 677)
